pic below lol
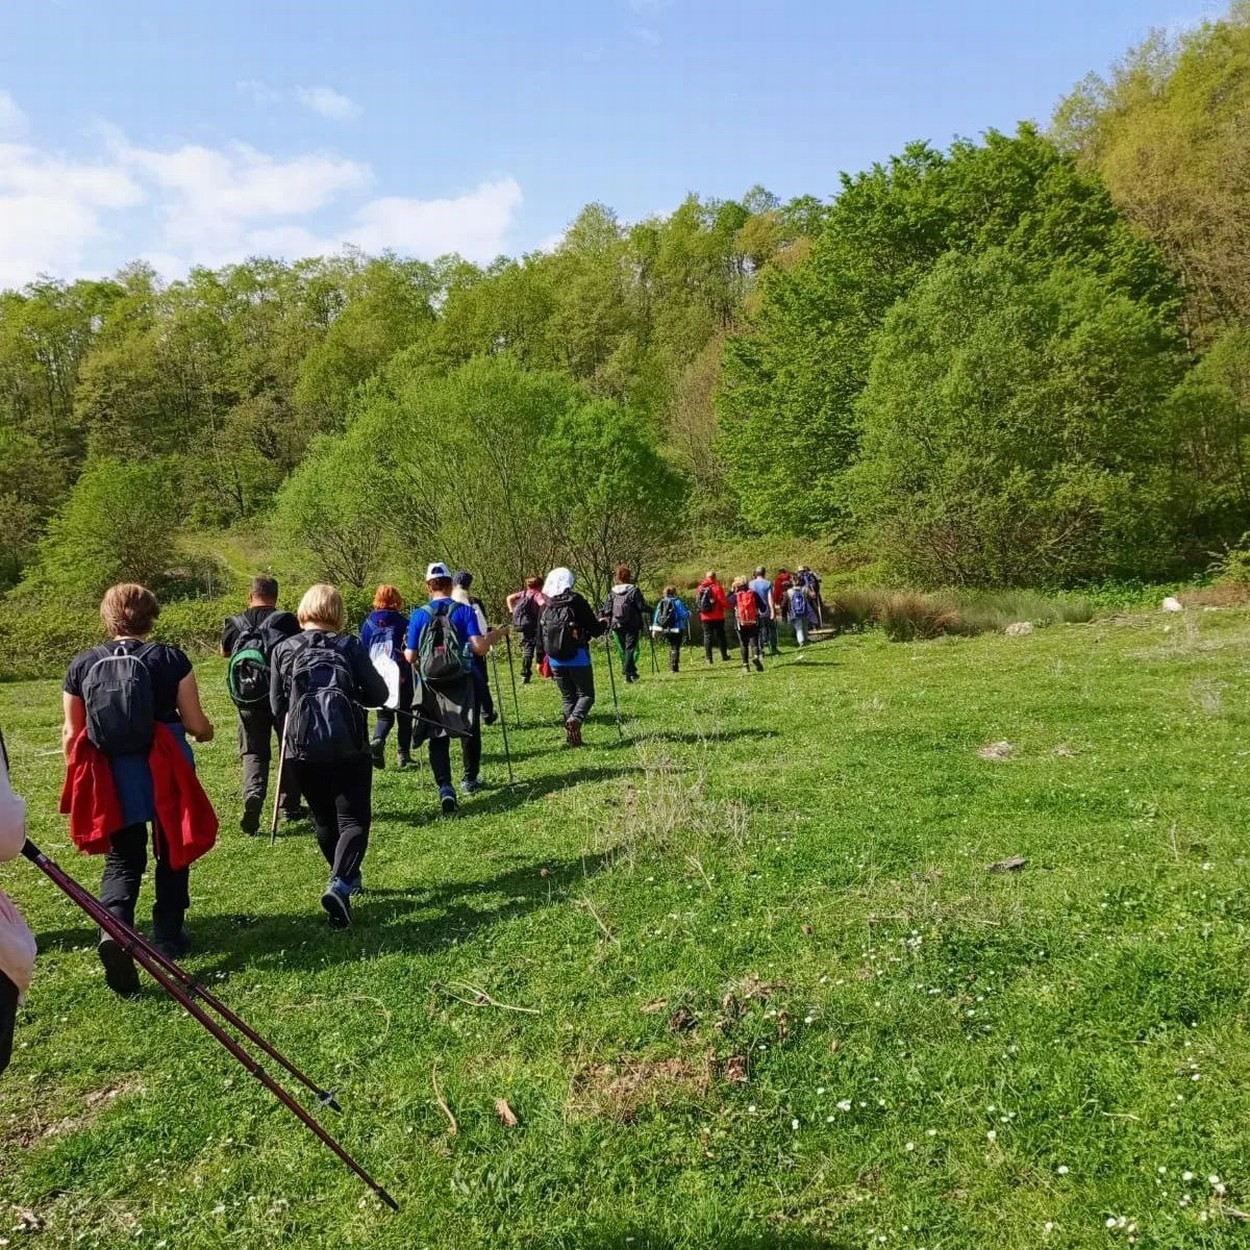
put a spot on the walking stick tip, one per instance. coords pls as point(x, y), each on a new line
point(390, 1202)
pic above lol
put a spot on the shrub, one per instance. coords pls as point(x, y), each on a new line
point(909, 616)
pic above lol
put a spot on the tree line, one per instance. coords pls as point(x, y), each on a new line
point(1023, 359)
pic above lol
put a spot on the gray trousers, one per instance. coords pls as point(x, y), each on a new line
point(256, 734)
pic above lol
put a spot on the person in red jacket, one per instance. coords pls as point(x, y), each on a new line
point(109, 699)
point(712, 604)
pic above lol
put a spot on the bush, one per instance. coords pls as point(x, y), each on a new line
point(909, 616)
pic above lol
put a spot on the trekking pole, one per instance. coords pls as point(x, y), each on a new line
point(503, 720)
point(512, 673)
point(167, 975)
point(277, 787)
point(616, 703)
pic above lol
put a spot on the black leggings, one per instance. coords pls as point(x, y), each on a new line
point(714, 632)
point(749, 640)
point(470, 755)
point(124, 866)
point(340, 797)
point(674, 651)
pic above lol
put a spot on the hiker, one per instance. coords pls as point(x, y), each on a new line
point(712, 604)
point(525, 607)
point(248, 641)
point(781, 593)
point(626, 610)
point(443, 638)
point(768, 621)
point(670, 620)
point(568, 624)
point(808, 579)
point(749, 611)
point(802, 614)
point(382, 635)
point(323, 680)
point(460, 584)
point(17, 943)
point(129, 706)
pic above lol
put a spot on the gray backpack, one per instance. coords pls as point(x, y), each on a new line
point(117, 691)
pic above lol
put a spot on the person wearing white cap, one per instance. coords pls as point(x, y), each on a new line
point(443, 637)
point(17, 943)
point(568, 625)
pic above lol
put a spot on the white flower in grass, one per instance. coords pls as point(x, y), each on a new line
point(991, 1135)
point(911, 1145)
point(844, 1104)
point(794, 1124)
point(1187, 1176)
point(1063, 1169)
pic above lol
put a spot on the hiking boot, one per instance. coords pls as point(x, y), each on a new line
point(471, 785)
point(295, 813)
point(491, 717)
point(120, 974)
point(573, 732)
point(377, 750)
point(759, 664)
point(249, 822)
point(174, 946)
point(337, 908)
point(353, 885)
point(447, 799)
point(404, 761)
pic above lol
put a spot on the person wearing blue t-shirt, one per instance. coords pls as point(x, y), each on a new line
point(450, 706)
point(763, 587)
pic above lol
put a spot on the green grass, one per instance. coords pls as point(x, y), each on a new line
point(796, 861)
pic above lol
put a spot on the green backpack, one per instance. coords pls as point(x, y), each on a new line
point(441, 657)
point(247, 672)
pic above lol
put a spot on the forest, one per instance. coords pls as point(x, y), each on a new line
point(1019, 360)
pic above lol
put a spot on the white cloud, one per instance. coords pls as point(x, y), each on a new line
point(12, 119)
point(328, 102)
point(194, 204)
point(323, 100)
point(475, 224)
point(652, 38)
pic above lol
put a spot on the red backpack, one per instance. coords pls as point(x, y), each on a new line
point(748, 607)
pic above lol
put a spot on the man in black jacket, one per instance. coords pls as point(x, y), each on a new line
point(257, 726)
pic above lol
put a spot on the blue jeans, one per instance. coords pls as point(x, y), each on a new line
point(800, 631)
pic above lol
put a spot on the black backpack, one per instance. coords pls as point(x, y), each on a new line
point(247, 673)
point(626, 614)
point(117, 691)
point(325, 724)
point(525, 614)
point(666, 613)
point(705, 599)
point(561, 638)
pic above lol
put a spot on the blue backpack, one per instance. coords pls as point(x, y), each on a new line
point(798, 602)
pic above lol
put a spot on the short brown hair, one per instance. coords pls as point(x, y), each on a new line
point(386, 596)
point(129, 610)
point(441, 585)
point(322, 606)
point(265, 588)
point(622, 573)
point(670, 592)
point(533, 583)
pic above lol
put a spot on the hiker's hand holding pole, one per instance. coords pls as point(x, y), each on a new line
point(482, 643)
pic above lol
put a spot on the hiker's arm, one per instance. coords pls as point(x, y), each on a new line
point(197, 723)
point(513, 599)
point(74, 723)
point(480, 644)
point(277, 685)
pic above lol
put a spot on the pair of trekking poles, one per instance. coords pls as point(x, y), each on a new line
point(182, 987)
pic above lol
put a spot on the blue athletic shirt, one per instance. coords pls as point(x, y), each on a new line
point(762, 587)
point(463, 621)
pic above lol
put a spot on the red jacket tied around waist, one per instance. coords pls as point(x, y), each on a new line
point(184, 814)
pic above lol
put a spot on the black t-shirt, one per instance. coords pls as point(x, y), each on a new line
point(166, 665)
point(284, 625)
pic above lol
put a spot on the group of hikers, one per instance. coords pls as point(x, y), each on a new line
point(304, 685)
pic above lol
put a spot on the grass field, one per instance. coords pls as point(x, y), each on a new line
point(776, 997)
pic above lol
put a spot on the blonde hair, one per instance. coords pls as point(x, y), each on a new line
point(129, 610)
point(322, 607)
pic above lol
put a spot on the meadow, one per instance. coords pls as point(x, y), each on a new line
point(773, 992)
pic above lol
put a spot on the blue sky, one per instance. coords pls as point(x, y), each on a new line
point(201, 131)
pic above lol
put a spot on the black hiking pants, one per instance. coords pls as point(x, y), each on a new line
point(257, 730)
point(124, 866)
point(714, 632)
point(674, 651)
point(470, 755)
point(577, 690)
point(749, 641)
point(340, 797)
point(531, 650)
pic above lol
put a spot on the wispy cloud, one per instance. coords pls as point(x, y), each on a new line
point(328, 102)
point(652, 38)
point(12, 120)
point(322, 100)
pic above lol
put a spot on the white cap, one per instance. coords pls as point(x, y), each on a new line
point(437, 569)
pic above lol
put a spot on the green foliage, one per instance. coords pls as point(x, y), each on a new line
point(119, 524)
point(1013, 430)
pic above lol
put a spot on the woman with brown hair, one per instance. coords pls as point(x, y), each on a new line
point(115, 697)
point(383, 634)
